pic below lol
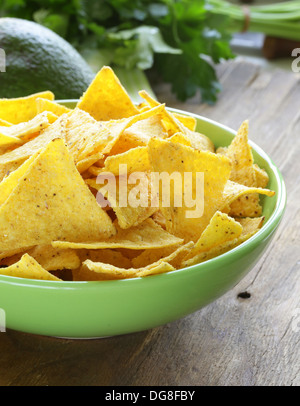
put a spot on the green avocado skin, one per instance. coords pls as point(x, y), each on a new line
point(37, 59)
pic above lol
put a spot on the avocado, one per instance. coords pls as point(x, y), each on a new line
point(37, 59)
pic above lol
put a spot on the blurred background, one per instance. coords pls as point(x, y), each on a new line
point(175, 42)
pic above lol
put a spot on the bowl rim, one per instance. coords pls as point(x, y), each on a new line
point(256, 239)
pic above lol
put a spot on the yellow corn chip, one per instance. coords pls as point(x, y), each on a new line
point(11, 160)
point(232, 194)
point(106, 98)
point(51, 202)
point(188, 121)
point(147, 235)
point(170, 158)
point(250, 225)
point(21, 109)
point(49, 258)
point(181, 139)
point(28, 268)
point(134, 210)
point(134, 160)
point(85, 136)
point(4, 123)
point(7, 140)
point(172, 255)
point(109, 272)
point(249, 228)
point(240, 154)
point(49, 105)
point(198, 141)
point(88, 162)
point(108, 256)
point(220, 230)
point(23, 132)
point(262, 178)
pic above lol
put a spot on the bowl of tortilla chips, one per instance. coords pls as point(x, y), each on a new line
point(117, 217)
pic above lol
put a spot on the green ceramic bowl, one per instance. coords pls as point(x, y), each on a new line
point(101, 309)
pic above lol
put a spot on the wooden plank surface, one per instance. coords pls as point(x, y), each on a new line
point(235, 340)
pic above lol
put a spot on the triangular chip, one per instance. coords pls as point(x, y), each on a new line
point(234, 192)
point(173, 125)
point(23, 132)
point(200, 178)
point(48, 105)
point(131, 203)
point(147, 235)
point(220, 230)
point(5, 123)
point(85, 136)
point(240, 154)
point(21, 109)
point(106, 98)
point(262, 178)
point(133, 160)
point(172, 255)
point(101, 271)
point(51, 202)
point(250, 226)
point(10, 161)
point(51, 259)
point(28, 268)
point(8, 140)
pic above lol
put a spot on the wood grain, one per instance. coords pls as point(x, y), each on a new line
point(239, 341)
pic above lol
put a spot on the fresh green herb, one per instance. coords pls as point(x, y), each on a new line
point(180, 41)
point(279, 19)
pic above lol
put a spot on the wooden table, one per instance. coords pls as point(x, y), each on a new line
point(248, 340)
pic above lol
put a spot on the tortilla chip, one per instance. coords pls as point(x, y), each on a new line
point(233, 203)
point(262, 178)
point(240, 154)
point(188, 121)
point(108, 256)
point(85, 136)
point(145, 129)
point(176, 158)
point(12, 160)
point(109, 272)
point(173, 125)
point(23, 132)
point(134, 160)
point(106, 99)
point(49, 105)
point(49, 258)
point(147, 235)
point(88, 162)
point(172, 255)
point(22, 109)
point(139, 134)
point(4, 123)
point(250, 226)
point(51, 202)
point(28, 268)
point(181, 139)
point(159, 218)
point(220, 230)
point(134, 209)
point(7, 140)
